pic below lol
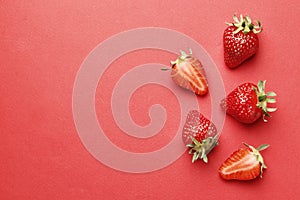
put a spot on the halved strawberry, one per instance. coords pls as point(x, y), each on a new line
point(200, 135)
point(188, 73)
point(244, 164)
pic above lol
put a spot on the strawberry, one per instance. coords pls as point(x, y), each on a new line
point(188, 73)
point(244, 164)
point(200, 135)
point(240, 40)
point(248, 102)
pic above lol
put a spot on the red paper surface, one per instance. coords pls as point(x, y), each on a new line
point(44, 43)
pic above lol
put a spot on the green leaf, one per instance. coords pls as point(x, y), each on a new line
point(203, 152)
point(248, 19)
point(264, 166)
point(183, 54)
point(235, 19)
point(271, 100)
point(247, 145)
point(194, 157)
point(205, 159)
point(258, 22)
point(238, 30)
point(241, 18)
point(271, 109)
point(246, 29)
point(266, 114)
point(262, 98)
point(257, 28)
point(271, 94)
point(261, 86)
point(197, 143)
point(197, 155)
point(263, 147)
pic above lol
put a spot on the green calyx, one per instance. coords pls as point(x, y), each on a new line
point(245, 24)
point(263, 98)
point(182, 57)
point(200, 150)
point(256, 152)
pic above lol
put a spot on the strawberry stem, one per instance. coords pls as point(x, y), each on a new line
point(263, 147)
point(245, 24)
point(264, 98)
point(201, 149)
point(256, 152)
point(183, 55)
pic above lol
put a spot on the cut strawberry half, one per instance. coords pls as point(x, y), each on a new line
point(188, 73)
point(244, 164)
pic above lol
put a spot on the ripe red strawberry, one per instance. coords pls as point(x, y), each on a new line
point(249, 102)
point(188, 73)
point(240, 40)
point(244, 164)
point(200, 135)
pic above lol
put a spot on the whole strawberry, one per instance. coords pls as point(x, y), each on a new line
point(240, 40)
point(244, 164)
point(188, 73)
point(249, 102)
point(200, 135)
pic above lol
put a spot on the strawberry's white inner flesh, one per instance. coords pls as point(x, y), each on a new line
point(192, 75)
point(187, 75)
point(243, 163)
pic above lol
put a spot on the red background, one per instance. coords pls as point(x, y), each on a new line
point(42, 45)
